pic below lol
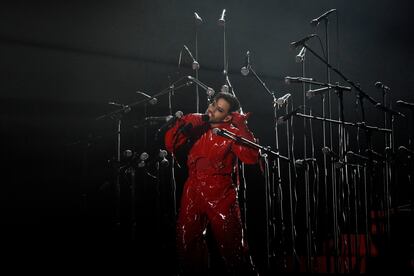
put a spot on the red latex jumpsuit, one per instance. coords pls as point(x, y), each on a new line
point(209, 194)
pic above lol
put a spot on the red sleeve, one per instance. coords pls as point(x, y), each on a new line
point(175, 137)
point(245, 153)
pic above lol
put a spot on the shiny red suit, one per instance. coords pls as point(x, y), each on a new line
point(209, 194)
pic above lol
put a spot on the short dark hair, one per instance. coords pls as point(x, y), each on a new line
point(230, 98)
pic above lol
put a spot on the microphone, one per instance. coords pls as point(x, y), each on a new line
point(152, 100)
point(142, 157)
point(298, 43)
point(310, 93)
point(301, 56)
point(305, 161)
point(245, 70)
point(222, 21)
point(284, 118)
point(125, 107)
point(159, 119)
point(162, 162)
point(405, 104)
point(128, 154)
point(338, 161)
point(216, 131)
point(380, 85)
point(315, 22)
point(224, 133)
point(187, 127)
point(198, 19)
point(209, 91)
point(282, 100)
point(131, 156)
point(195, 64)
point(358, 156)
point(388, 110)
point(327, 151)
point(373, 154)
point(405, 150)
point(171, 121)
point(224, 88)
point(289, 80)
point(205, 118)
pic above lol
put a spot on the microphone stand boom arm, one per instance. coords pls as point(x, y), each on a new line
point(242, 140)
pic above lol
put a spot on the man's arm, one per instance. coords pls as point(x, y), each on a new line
point(177, 135)
point(245, 153)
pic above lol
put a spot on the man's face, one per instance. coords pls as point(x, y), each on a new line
point(218, 111)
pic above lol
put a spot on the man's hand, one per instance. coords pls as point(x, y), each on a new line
point(239, 120)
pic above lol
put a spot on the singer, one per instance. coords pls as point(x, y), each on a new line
point(209, 201)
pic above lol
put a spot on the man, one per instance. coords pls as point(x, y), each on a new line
point(209, 198)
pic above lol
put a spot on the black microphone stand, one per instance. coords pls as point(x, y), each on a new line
point(197, 68)
point(307, 178)
point(368, 180)
point(361, 94)
point(173, 180)
point(275, 194)
point(240, 165)
point(291, 191)
point(410, 106)
point(117, 115)
point(333, 172)
point(333, 177)
point(389, 152)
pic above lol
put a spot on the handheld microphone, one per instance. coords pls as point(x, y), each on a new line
point(245, 70)
point(152, 100)
point(171, 121)
point(289, 80)
point(282, 100)
point(198, 19)
point(222, 21)
point(300, 57)
point(314, 92)
point(284, 118)
point(195, 64)
point(301, 42)
point(315, 22)
point(405, 104)
point(382, 86)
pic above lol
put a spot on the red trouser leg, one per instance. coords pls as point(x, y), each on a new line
point(227, 231)
point(191, 245)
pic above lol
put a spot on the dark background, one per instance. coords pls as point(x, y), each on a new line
point(61, 62)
